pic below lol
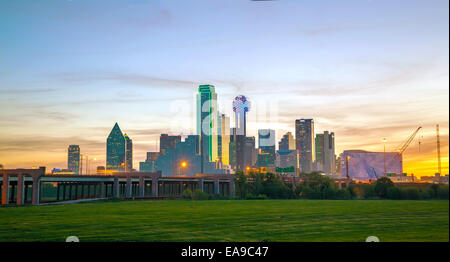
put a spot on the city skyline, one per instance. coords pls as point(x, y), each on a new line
point(361, 78)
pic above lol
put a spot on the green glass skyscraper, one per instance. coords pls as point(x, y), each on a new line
point(207, 123)
point(115, 150)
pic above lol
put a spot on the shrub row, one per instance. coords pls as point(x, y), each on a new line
point(316, 186)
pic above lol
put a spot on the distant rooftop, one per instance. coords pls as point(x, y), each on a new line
point(206, 88)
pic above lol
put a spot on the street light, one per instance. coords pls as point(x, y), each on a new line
point(89, 164)
point(384, 143)
point(182, 166)
point(81, 164)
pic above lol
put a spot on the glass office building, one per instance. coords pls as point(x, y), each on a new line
point(73, 160)
point(115, 149)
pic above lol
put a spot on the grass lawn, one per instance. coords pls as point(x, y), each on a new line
point(235, 220)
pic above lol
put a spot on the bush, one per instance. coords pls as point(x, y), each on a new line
point(250, 196)
point(343, 194)
point(426, 193)
point(253, 197)
point(394, 193)
point(442, 192)
point(434, 188)
point(412, 194)
point(262, 196)
point(199, 195)
point(172, 197)
point(217, 197)
point(369, 192)
point(187, 194)
point(382, 186)
point(358, 192)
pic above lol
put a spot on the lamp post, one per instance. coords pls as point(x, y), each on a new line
point(89, 165)
point(384, 154)
point(182, 166)
point(347, 158)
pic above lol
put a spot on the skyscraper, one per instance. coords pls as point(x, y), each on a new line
point(241, 106)
point(250, 152)
point(129, 153)
point(115, 149)
point(232, 151)
point(167, 142)
point(287, 142)
point(325, 153)
point(187, 151)
point(224, 139)
point(329, 156)
point(304, 143)
point(318, 164)
point(73, 160)
point(207, 123)
point(266, 142)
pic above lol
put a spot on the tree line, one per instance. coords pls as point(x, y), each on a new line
point(317, 186)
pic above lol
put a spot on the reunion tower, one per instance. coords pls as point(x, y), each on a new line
point(241, 106)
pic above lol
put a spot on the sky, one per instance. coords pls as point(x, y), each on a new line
point(364, 70)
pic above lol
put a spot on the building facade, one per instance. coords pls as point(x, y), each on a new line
point(287, 162)
point(224, 139)
point(304, 143)
point(329, 154)
point(167, 142)
point(325, 153)
point(318, 164)
point(266, 143)
point(73, 158)
point(128, 153)
point(287, 142)
point(241, 106)
point(115, 150)
point(366, 165)
point(250, 152)
point(207, 124)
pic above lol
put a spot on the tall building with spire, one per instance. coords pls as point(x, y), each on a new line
point(129, 153)
point(241, 106)
point(207, 123)
point(115, 149)
point(73, 158)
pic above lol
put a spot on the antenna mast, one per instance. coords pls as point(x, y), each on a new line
point(438, 144)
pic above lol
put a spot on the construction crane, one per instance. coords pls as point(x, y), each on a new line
point(438, 145)
point(405, 145)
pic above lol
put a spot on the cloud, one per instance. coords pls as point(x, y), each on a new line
point(27, 91)
point(45, 144)
point(141, 80)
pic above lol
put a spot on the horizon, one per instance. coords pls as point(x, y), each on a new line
point(363, 70)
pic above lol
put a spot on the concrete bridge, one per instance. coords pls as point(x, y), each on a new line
point(33, 186)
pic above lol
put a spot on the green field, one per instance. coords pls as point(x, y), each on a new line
point(229, 220)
